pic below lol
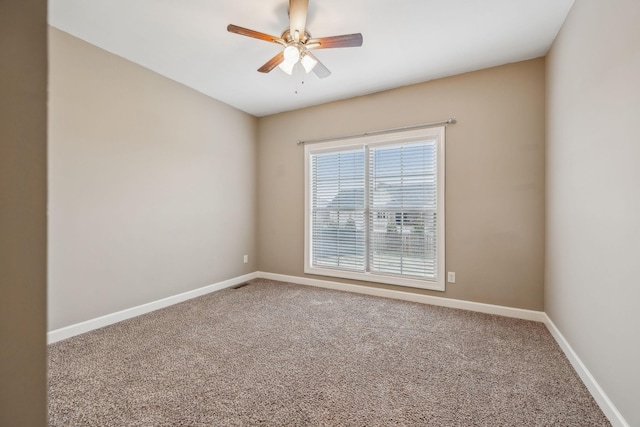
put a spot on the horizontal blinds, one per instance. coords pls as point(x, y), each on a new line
point(402, 214)
point(338, 219)
point(375, 209)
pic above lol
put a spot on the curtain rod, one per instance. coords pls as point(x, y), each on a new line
point(378, 132)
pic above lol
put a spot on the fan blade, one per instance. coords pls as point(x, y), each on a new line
point(272, 63)
point(346, 40)
point(255, 34)
point(297, 18)
point(320, 70)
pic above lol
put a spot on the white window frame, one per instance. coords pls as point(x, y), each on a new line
point(436, 134)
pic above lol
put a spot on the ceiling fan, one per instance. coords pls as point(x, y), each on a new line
point(297, 43)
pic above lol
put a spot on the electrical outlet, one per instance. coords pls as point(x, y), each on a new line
point(246, 259)
point(451, 277)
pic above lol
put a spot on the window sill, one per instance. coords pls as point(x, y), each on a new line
point(433, 285)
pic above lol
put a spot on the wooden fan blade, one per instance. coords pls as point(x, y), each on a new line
point(346, 40)
point(297, 18)
point(255, 34)
point(320, 70)
point(272, 63)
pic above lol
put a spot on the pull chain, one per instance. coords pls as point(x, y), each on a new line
point(298, 74)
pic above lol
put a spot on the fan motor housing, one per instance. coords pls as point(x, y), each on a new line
point(286, 36)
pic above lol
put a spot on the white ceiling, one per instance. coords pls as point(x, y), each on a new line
point(405, 42)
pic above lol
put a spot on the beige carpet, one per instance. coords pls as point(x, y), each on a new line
point(280, 354)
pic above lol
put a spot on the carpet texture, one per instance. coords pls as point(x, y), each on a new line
point(272, 353)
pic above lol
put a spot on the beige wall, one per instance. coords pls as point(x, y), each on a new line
point(152, 186)
point(494, 184)
point(23, 198)
point(593, 193)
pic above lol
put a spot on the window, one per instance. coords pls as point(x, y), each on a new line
point(374, 208)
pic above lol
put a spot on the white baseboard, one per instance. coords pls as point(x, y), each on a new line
point(109, 319)
point(601, 398)
point(518, 313)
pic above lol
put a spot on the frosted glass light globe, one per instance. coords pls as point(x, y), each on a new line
point(291, 54)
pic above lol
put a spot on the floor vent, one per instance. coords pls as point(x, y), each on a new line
point(241, 285)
